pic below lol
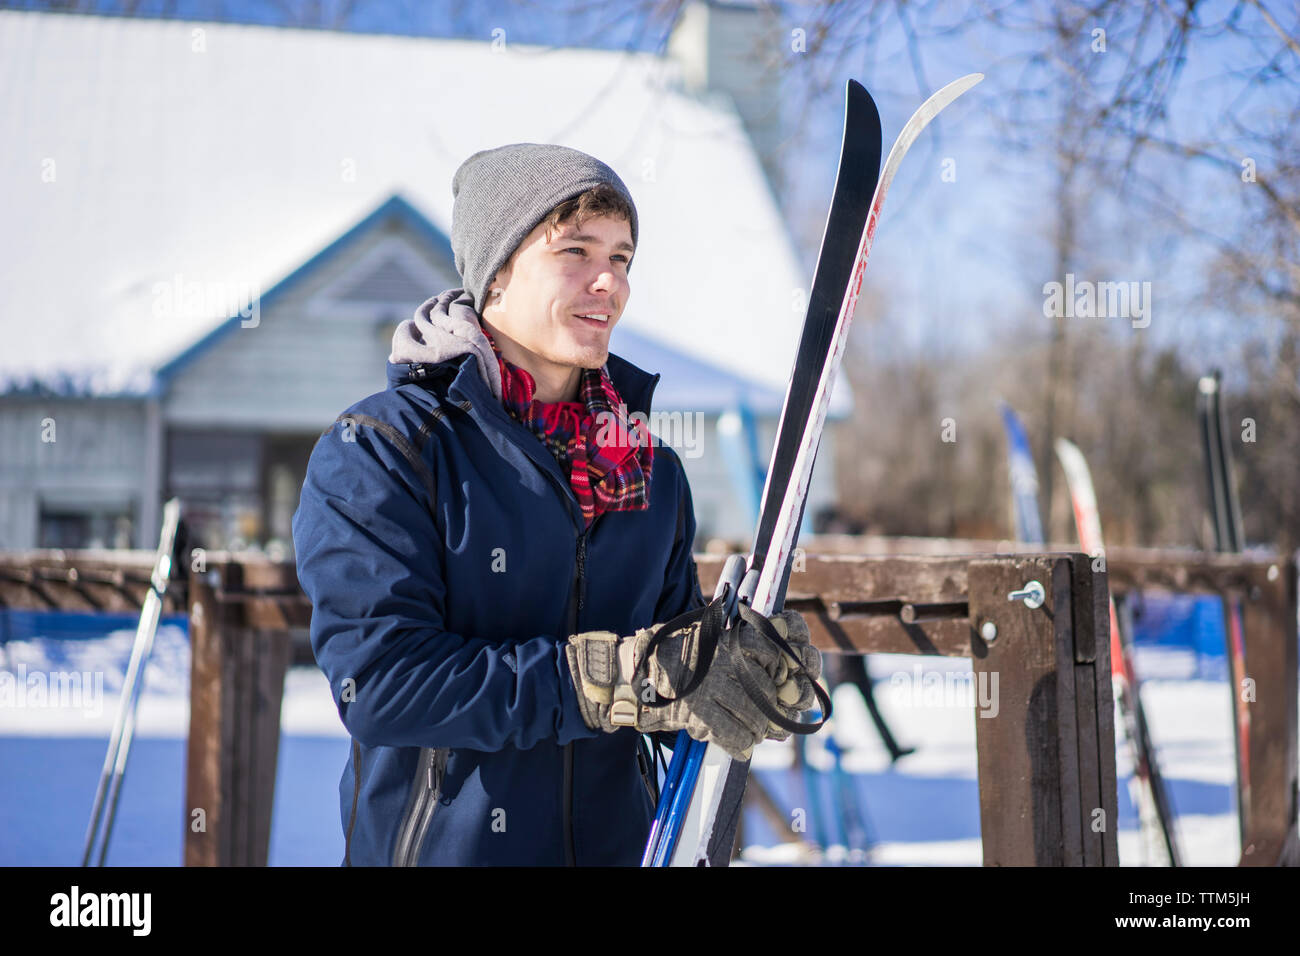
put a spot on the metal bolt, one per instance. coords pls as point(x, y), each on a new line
point(1032, 594)
point(989, 631)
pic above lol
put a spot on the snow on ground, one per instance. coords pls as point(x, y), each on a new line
point(923, 811)
point(1190, 720)
point(164, 711)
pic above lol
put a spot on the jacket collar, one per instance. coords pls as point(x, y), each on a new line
point(445, 339)
point(460, 380)
point(466, 383)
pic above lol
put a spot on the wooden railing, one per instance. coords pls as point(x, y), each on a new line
point(1045, 740)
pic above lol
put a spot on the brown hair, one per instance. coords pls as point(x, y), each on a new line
point(600, 200)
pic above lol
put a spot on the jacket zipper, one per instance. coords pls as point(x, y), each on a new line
point(426, 791)
point(356, 793)
point(575, 606)
point(581, 571)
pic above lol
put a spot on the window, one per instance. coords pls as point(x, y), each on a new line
point(65, 527)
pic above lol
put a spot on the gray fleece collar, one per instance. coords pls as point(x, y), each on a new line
point(444, 327)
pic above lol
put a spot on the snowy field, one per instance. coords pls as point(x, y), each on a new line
point(924, 810)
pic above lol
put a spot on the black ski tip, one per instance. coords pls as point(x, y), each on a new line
point(856, 90)
point(862, 133)
point(860, 107)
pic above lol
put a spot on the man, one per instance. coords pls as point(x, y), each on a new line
point(489, 543)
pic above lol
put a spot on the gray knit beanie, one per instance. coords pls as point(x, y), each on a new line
point(502, 194)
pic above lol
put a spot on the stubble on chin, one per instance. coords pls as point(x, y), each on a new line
point(593, 357)
point(583, 355)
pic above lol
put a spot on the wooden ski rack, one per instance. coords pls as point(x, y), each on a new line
point(1047, 778)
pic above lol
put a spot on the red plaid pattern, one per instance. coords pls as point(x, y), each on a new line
point(608, 462)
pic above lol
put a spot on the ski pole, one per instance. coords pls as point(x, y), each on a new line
point(694, 759)
point(668, 813)
point(672, 779)
point(119, 746)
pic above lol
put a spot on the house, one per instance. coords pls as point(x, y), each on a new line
point(211, 230)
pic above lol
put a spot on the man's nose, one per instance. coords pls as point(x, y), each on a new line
point(605, 280)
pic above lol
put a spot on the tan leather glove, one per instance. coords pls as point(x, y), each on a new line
point(749, 681)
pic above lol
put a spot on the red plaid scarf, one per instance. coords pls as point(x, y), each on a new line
point(608, 462)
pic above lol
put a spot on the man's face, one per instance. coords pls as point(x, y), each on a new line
point(549, 286)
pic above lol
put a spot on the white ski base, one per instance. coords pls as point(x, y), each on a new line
point(692, 844)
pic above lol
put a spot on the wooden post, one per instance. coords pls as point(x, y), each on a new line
point(1044, 727)
point(1269, 836)
point(204, 808)
point(236, 686)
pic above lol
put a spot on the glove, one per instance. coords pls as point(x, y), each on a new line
point(649, 681)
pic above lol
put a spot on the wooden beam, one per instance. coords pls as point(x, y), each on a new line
point(1269, 794)
point(207, 765)
point(90, 581)
point(1018, 752)
point(237, 685)
point(834, 592)
point(1043, 729)
point(1172, 569)
point(1047, 760)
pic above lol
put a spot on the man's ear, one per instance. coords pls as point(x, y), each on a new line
point(496, 295)
point(502, 278)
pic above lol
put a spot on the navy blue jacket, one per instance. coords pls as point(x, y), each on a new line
point(446, 560)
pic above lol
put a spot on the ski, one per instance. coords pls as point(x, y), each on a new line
point(1024, 480)
point(1225, 515)
point(738, 446)
point(119, 746)
point(1147, 786)
point(1225, 507)
point(1159, 793)
point(711, 786)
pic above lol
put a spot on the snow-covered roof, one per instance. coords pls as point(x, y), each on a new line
point(140, 150)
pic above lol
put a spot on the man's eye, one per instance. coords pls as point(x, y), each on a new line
point(583, 252)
